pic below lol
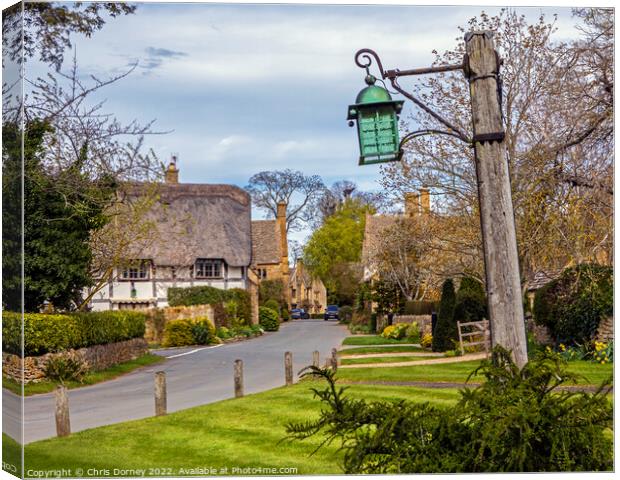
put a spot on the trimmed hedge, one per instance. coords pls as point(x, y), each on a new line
point(573, 305)
point(52, 333)
point(268, 319)
point(205, 295)
point(415, 307)
point(471, 302)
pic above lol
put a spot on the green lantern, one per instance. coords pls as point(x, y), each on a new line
point(377, 124)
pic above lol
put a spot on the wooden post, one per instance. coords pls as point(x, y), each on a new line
point(335, 359)
point(63, 424)
point(458, 325)
point(315, 359)
point(499, 238)
point(288, 368)
point(238, 377)
point(161, 397)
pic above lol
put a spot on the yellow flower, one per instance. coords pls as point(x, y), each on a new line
point(562, 347)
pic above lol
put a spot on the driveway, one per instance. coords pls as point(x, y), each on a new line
point(194, 376)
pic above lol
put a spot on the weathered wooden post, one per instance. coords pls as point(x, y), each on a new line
point(335, 359)
point(496, 212)
point(288, 368)
point(238, 378)
point(63, 424)
point(161, 397)
point(315, 359)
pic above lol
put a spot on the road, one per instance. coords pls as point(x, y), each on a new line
point(193, 378)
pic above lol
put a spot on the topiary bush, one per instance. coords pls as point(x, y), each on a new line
point(471, 303)
point(273, 304)
point(179, 333)
point(51, 333)
point(517, 420)
point(268, 319)
point(573, 305)
point(446, 330)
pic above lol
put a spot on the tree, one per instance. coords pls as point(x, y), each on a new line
point(332, 249)
point(284, 186)
point(47, 27)
point(557, 105)
point(471, 304)
point(57, 224)
point(446, 329)
point(331, 198)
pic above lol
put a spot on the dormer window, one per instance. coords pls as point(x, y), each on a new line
point(137, 271)
point(206, 268)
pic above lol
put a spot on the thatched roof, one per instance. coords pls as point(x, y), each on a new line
point(198, 221)
point(265, 242)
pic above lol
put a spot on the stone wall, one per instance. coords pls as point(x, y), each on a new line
point(424, 321)
point(98, 357)
point(158, 317)
point(605, 332)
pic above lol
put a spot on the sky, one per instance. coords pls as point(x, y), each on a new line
point(246, 88)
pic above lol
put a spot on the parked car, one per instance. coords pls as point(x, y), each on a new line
point(331, 312)
point(298, 313)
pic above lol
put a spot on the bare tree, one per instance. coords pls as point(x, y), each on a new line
point(285, 186)
point(557, 104)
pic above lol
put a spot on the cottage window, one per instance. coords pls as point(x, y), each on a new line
point(208, 268)
point(139, 271)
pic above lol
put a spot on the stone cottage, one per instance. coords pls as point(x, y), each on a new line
point(270, 249)
point(307, 291)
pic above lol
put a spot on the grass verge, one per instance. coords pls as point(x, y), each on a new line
point(89, 379)
point(248, 432)
point(458, 372)
point(389, 349)
point(361, 361)
point(372, 340)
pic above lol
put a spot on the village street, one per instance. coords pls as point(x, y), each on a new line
point(197, 378)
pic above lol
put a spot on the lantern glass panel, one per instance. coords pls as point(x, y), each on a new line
point(378, 135)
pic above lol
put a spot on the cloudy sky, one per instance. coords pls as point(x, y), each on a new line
point(246, 88)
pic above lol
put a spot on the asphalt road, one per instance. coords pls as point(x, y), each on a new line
point(194, 376)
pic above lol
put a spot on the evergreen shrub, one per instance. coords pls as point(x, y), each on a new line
point(268, 319)
point(446, 330)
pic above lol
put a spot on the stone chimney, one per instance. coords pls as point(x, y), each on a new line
point(425, 200)
point(412, 204)
point(172, 172)
point(281, 220)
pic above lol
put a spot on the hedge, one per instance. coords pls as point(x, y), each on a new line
point(573, 305)
point(205, 295)
point(51, 333)
point(420, 307)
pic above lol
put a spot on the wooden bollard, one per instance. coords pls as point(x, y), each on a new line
point(335, 358)
point(63, 424)
point(238, 378)
point(288, 368)
point(315, 359)
point(161, 401)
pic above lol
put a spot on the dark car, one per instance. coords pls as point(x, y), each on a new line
point(331, 312)
point(298, 313)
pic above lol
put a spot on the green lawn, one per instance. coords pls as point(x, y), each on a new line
point(89, 379)
point(372, 340)
point(246, 432)
point(458, 372)
point(358, 361)
point(390, 349)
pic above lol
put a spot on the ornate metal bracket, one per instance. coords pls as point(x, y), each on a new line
point(364, 59)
